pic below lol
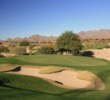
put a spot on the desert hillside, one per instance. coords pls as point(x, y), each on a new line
point(95, 34)
point(35, 38)
point(91, 34)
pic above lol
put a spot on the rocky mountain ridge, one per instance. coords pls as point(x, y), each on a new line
point(95, 34)
point(35, 38)
point(91, 34)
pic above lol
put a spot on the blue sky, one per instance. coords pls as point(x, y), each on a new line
point(23, 18)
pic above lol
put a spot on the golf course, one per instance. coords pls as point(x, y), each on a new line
point(23, 86)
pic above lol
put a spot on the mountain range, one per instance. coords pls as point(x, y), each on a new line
point(91, 34)
point(35, 38)
point(95, 34)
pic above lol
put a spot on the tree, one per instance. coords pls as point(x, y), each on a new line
point(24, 43)
point(69, 42)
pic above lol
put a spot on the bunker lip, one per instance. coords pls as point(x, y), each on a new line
point(7, 67)
point(66, 78)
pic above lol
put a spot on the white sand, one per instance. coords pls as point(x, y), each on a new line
point(67, 77)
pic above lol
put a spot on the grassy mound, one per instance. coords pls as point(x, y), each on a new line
point(7, 67)
point(51, 69)
point(88, 76)
point(29, 83)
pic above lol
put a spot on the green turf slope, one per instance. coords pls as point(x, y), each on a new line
point(61, 60)
point(19, 87)
point(12, 85)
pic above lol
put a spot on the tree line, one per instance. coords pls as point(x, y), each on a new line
point(68, 43)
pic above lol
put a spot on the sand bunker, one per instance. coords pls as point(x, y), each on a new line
point(103, 53)
point(64, 77)
point(100, 53)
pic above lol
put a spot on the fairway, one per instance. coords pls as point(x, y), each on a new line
point(61, 60)
point(22, 87)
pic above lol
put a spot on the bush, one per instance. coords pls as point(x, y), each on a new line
point(95, 46)
point(107, 46)
point(24, 43)
point(3, 49)
point(33, 47)
point(100, 46)
point(45, 50)
point(20, 50)
point(69, 42)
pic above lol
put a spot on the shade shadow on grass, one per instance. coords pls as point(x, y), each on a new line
point(37, 93)
point(8, 86)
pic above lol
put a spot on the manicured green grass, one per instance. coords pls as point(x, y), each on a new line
point(19, 87)
point(61, 60)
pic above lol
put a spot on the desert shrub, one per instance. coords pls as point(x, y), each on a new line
point(12, 49)
point(24, 43)
point(20, 50)
point(100, 46)
point(33, 47)
point(3, 49)
point(14, 44)
point(45, 50)
point(95, 46)
point(107, 46)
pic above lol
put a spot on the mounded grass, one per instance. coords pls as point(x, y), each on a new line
point(7, 67)
point(51, 69)
point(86, 75)
point(34, 84)
point(14, 86)
point(19, 87)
